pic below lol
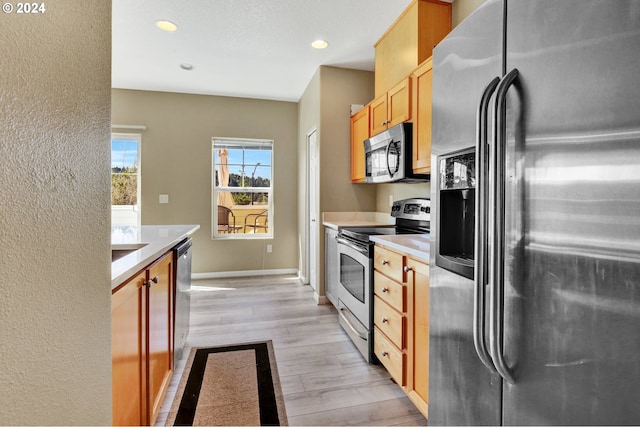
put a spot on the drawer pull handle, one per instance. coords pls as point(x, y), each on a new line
point(384, 354)
point(407, 269)
point(385, 320)
point(385, 289)
point(385, 262)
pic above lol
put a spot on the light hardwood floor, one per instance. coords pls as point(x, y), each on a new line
point(324, 379)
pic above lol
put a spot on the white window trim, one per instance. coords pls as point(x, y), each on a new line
point(138, 206)
point(214, 194)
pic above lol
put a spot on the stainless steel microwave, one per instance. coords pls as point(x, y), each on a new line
point(388, 156)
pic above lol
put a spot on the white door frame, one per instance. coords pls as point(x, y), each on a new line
point(315, 193)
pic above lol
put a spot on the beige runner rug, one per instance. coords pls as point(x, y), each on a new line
point(234, 385)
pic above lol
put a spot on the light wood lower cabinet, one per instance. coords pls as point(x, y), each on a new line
point(401, 321)
point(142, 343)
point(128, 336)
point(418, 331)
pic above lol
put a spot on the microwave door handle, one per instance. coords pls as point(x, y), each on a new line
point(496, 315)
point(392, 173)
point(482, 170)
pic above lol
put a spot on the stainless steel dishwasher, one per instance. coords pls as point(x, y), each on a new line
point(182, 254)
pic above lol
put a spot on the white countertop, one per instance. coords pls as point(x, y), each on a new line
point(417, 245)
point(338, 220)
point(158, 239)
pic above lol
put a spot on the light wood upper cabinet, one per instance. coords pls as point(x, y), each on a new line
point(378, 111)
point(391, 108)
point(399, 100)
point(410, 41)
point(142, 343)
point(359, 132)
point(402, 89)
point(422, 109)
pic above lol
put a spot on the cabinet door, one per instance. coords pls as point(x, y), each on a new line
point(390, 322)
point(389, 263)
point(397, 50)
point(399, 103)
point(422, 105)
point(393, 359)
point(359, 132)
point(160, 310)
point(389, 291)
point(409, 41)
point(418, 382)
point(127, 353)
point(378, 112)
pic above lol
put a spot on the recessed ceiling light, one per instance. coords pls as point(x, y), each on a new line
point(319, 44)
point(166, 25)
point(186, 66)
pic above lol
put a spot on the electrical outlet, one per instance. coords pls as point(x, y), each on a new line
point(269, 249)
point(164, 198)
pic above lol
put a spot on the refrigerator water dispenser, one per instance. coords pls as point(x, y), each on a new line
point(456, 212)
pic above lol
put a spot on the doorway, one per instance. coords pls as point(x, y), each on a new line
point(313, 205)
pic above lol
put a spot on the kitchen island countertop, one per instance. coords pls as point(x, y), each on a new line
point(417, 245)
point(157, 240)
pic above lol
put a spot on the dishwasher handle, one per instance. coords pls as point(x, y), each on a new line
point(183, 247)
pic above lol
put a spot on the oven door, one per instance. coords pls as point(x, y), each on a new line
point(355, 279)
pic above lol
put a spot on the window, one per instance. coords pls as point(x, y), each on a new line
point(242, 180)
point(125, 179)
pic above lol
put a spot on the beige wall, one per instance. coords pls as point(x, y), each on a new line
point(460, 9)
point(308, 120)
point(55, 285)
point(339, 89)
point(176, 160)
point(398, 192)
point(326, 104)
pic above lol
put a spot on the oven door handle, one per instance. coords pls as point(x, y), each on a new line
point(347, 243)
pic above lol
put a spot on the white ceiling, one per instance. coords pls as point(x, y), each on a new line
point(243, 48)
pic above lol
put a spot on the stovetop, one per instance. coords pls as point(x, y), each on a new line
point(412, 217)
point(362, 234)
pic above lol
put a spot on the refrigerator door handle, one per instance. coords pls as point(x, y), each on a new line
point(498, 163)
point(482, 170)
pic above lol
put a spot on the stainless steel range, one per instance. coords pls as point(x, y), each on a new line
point(355, 255)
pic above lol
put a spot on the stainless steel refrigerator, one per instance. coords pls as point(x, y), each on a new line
point(535, 276)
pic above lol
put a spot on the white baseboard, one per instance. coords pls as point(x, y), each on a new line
point(245, 273)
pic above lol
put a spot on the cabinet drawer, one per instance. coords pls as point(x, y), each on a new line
point(389, 321)
point(392, 358)
point(389, 263)
point(393, 293)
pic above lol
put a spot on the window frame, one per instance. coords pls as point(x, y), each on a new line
point(137, 208)
point(218, 143)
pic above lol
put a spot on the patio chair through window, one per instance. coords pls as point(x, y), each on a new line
point(257, 221)
point(227, 220)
